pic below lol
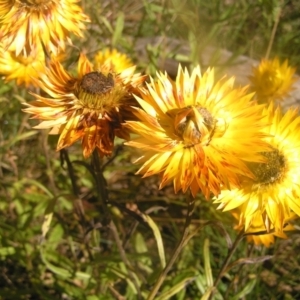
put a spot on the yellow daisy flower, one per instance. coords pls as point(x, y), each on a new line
point(272, 80)
point(89, 107)
point(118, 61)
point(275, 191)
point(21, 68)
point(30, 22)
point(196, 132)
point(257, 233)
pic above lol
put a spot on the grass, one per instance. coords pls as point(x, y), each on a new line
point(53, 244)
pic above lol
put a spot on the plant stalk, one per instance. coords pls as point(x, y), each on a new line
point(102, 194)
point(177, 251)
point(274, 29)
point(227, 259)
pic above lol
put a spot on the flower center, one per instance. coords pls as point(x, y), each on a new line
point(97, 83)
point(99, 92)
point(271, 171)
point(193, 124)
point(272, 80)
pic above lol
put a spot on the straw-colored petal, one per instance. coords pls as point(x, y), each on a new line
point(275, 189)
point(256, 232)
point(24, 24)
point(90, 107)
point(197, 132)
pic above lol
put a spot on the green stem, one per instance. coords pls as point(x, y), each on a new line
point(227, 259)
point(180, 245)
point(64, 157)
point(238, 274)
point(102, 194)
point(124, 257)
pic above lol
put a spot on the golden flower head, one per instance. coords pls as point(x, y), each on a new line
point(21, 68)
point(196, 132)
point(25, 23)
point(117, 61)
point(272, 80)
point(257, 233)
point(90, 107)
point(275, 191)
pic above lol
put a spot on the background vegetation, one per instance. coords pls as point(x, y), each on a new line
point(82, 259)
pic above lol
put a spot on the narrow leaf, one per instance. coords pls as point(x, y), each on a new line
point(207, 294)
point(48, 217)
point(246, 290)
point(249, 260)
point(207, 266)
point(175, 289)
point(119, 29)
point(158, 238)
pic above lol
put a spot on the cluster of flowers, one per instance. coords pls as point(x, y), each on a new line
point(203, 135)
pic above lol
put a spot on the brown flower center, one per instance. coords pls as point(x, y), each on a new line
point(271, 171)
point(101, 93)
point(97, 83)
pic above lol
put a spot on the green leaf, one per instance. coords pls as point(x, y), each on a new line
point(21, 137)
point(5, 251)
point(56, 270)
point(176, 288)
point(48, 217)
point(144, 261)
point(158, 238)
point(92, 297)
point(4, 89)
point(246, 290)
point(119, 29)
point(107, 24)
point(207, 294)
point(26, 181)
point(207, 266)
